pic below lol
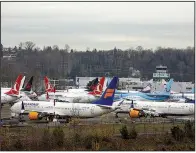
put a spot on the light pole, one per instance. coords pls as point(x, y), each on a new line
point(1, 55)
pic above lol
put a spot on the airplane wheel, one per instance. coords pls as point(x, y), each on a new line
point(116, 115)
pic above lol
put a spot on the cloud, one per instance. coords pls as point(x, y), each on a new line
point(102, 25)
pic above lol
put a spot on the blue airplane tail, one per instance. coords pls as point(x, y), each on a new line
point(107, 97)
point(193, 90)
point(168, 86)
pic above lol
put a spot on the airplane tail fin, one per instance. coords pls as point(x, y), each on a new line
point(193, 90)
point(22, 82)
point(29, 85)
point(168, 86)
point(99, 88)
point(14, 91)
point(105, 84)
point(94, 84)
point(147, 89)
point(107, 97)
point(48, 86)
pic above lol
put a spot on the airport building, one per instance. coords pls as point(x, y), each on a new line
point(161, 73)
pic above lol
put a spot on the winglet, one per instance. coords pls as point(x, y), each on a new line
point(107, 97)
point(14, 91)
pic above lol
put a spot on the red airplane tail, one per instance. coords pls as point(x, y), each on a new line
point(48, 86)
point(99, 88)
point(14, 91)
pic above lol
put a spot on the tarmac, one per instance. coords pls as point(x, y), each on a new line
point(104, 119)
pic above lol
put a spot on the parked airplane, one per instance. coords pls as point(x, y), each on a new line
point(82, 97)
point(13, 93)
point(28, 89)
point(156, 109)
point(178, 96)
point(91, 87)
point(158, 96)
point(146, 89)
point(40, 109)
point(25, 91)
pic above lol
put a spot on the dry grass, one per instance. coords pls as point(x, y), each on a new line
point(93, 137)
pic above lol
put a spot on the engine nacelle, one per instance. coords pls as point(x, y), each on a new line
point(136, 114)
point(34, 116)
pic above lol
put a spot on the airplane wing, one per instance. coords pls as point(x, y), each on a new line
point(44, 113)
point(104, 106)
point(151, 112)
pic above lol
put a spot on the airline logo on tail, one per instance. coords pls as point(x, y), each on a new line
point(16, 88)
point(109, 93)
point(29, 85)
point(48, 86)
point(108, 96)
point(99, 88)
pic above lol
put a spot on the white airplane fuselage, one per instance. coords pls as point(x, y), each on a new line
point(167, 108)
point(7, 98)
point(71, 97)
point(63, 109)
point(182, 95)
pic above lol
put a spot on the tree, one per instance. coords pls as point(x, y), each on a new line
point(67, 48)
point(55, 48)
point(21, 46)
point(139, 48)
point(29, 45)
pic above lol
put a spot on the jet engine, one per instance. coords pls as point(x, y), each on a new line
point(34, 116)
point(136, 113)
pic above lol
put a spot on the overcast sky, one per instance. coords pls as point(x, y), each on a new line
point(98, 25)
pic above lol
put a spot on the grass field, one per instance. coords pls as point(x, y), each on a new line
point(73, 136)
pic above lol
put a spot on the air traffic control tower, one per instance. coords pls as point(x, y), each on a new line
point(161, 73)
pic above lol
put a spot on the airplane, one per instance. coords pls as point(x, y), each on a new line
point(146, 89)
point(91, 87)
point(178, 96)
point(156, 109)
point(158, 96)
point(28, 89)
point(25, 91)
point(39, 109)
point(181, 97)
point(82, 97)
point(14, 93)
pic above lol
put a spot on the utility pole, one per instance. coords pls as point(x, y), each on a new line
point(1, 55)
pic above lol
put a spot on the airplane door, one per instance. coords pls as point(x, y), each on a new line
point(169, 108)
point(75, 109)
point(93, 110)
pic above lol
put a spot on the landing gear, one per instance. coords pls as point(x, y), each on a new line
point(116, 115)
point(21, 118)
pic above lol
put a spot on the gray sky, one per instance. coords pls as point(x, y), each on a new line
point(98, 25)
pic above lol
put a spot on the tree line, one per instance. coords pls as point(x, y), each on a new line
point(69, 63)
